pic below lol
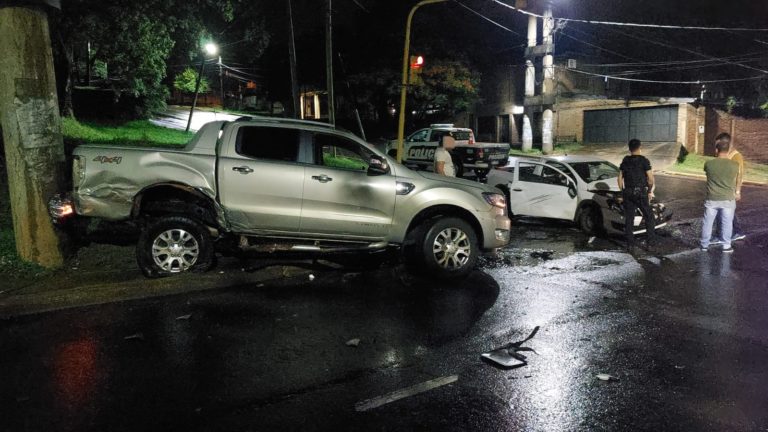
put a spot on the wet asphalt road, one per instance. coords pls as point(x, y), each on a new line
point(683, 331)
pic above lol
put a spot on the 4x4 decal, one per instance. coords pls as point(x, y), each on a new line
point(108, 159)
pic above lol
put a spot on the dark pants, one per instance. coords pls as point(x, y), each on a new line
point(637, 198)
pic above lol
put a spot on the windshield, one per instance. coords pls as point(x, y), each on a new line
point(593, 171)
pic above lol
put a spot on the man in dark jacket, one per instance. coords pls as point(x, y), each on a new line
point(636, 185)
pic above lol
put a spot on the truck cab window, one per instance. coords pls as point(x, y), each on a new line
point(270, 143)
point(337, 152)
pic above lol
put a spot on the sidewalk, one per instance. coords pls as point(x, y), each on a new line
point(661, 155)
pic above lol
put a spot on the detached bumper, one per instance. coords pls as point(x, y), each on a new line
point(613, 218)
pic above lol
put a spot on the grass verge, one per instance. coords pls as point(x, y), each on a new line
point(10, 263)
point(140, 133)
point(694, 164)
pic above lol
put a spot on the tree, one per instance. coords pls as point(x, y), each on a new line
point(136, 40)
point(186, 80)
point(29, 116)
point(444, 88)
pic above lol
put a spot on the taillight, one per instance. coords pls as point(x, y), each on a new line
point(480, 153)
point(471, 138)
point(78, 171)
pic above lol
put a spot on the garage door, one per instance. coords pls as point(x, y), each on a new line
point(657, 124)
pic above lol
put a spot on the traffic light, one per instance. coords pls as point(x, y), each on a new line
point(417, 62)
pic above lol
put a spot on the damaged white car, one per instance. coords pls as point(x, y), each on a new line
point(582, 189)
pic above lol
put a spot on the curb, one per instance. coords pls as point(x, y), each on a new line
point(21, 304)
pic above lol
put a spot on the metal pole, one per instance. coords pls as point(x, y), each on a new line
point(221, 84)
point(197, 89)
point(292, 62)
point(352, 94)
point(404, 82)
point(329, 63)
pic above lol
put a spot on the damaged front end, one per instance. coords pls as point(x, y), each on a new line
point(613, 213)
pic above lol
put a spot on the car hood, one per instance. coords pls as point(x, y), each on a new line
point(607, 185)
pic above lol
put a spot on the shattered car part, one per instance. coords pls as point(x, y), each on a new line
point(510, 355)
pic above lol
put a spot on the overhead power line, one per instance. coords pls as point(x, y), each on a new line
point(688, 50)
point(625, 24)
point(621, 78)
point(486, 18)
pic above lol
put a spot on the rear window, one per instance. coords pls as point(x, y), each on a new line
point(270, 143)
point(458, 135)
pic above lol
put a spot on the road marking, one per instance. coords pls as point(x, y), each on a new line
point(378, 401)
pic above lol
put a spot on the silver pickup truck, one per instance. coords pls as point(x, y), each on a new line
point(269, 185)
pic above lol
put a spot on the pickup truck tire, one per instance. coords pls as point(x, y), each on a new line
point(446, 248)
point(174, 244)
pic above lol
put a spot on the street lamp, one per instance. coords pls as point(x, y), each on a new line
point(210, 49)
point(404, 83)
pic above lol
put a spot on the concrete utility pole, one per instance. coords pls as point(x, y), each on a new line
point(329, 62)
point(530, 84)
point(29, 115)
point(292, 61)
point(548, 83)
point(544, 102)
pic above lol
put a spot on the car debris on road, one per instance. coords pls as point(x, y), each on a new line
point(509, 356)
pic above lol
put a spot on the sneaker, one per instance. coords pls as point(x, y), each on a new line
point(728, 249)
point(716, 242)
point(738, 237)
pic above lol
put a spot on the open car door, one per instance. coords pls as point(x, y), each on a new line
point(540, 190)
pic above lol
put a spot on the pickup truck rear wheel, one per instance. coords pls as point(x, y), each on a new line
point(446, 248)
point(174, 244)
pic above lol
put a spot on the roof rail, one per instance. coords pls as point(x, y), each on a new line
point(284, 120)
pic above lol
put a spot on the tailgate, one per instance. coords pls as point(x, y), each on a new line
point(495, 152)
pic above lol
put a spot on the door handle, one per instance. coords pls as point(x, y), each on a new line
point(322, 178)
point(243, 169)
point(517, 190)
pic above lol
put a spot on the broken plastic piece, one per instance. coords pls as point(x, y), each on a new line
point(510, 356)
point(353, 342)
point(606, 377)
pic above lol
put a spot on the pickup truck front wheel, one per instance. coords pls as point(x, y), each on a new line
point(174, 244)
point(445, 247)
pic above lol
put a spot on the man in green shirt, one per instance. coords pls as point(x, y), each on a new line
point(722, 176)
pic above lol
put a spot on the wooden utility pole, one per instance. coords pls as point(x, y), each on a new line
point(29, 115)
point(329, 62)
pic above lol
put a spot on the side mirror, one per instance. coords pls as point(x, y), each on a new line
point(377, 166)
point(572, 190)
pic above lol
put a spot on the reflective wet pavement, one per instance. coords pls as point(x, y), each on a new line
point(683, 331)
